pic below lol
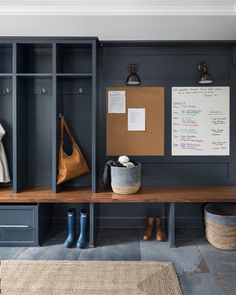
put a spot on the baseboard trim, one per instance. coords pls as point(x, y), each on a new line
point(133, 222)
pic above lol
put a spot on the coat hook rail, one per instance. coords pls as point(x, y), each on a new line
point(44, 91)
point(79, 91)
point(6, 91)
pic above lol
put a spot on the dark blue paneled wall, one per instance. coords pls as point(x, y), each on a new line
point(168, 64)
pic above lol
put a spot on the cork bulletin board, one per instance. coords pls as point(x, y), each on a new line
point(150, 142)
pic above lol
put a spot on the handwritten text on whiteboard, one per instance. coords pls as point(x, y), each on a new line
point(200, 121)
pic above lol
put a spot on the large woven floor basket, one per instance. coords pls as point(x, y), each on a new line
point(220, 225)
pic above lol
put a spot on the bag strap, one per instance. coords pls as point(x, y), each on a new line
point(64, 125)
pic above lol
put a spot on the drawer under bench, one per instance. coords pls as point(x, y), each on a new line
point(23, 225)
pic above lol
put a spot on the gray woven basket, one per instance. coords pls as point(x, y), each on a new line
point(220, 225)
point(126, 181)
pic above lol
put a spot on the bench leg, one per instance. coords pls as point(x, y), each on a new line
point(91, 226)
point(171, 224)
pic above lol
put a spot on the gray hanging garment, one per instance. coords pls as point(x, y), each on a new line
point(4, 172)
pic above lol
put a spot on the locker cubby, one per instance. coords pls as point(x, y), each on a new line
point(34, 132)
point(59, 222)
point(34, 58)
point(74, 59)
point(6, 119)
point(75, 103)
point(5, 58)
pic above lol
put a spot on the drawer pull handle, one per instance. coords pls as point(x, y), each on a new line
point(13, 226)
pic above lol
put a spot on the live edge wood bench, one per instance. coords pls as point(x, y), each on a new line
point(168, 195)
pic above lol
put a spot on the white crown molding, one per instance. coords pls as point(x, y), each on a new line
point(118, 10)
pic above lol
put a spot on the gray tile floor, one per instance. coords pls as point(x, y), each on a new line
point(202, 269)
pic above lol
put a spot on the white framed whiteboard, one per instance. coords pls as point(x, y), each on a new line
point(200, 121)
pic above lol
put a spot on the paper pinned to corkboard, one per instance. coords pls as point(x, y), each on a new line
point(150, 141)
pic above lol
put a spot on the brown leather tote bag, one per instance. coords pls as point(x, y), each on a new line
point(70, 166)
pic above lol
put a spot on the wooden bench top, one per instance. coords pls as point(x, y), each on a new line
point(179, 194)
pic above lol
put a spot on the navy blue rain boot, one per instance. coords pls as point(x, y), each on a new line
point(82, 241)
point(71, 223)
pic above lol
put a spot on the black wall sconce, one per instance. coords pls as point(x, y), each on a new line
point(133, 78)
point(205, 77)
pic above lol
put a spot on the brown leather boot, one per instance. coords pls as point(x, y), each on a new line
point(149, 229)
point(161, 233)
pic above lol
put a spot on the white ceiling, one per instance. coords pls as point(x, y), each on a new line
point(115, 19)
